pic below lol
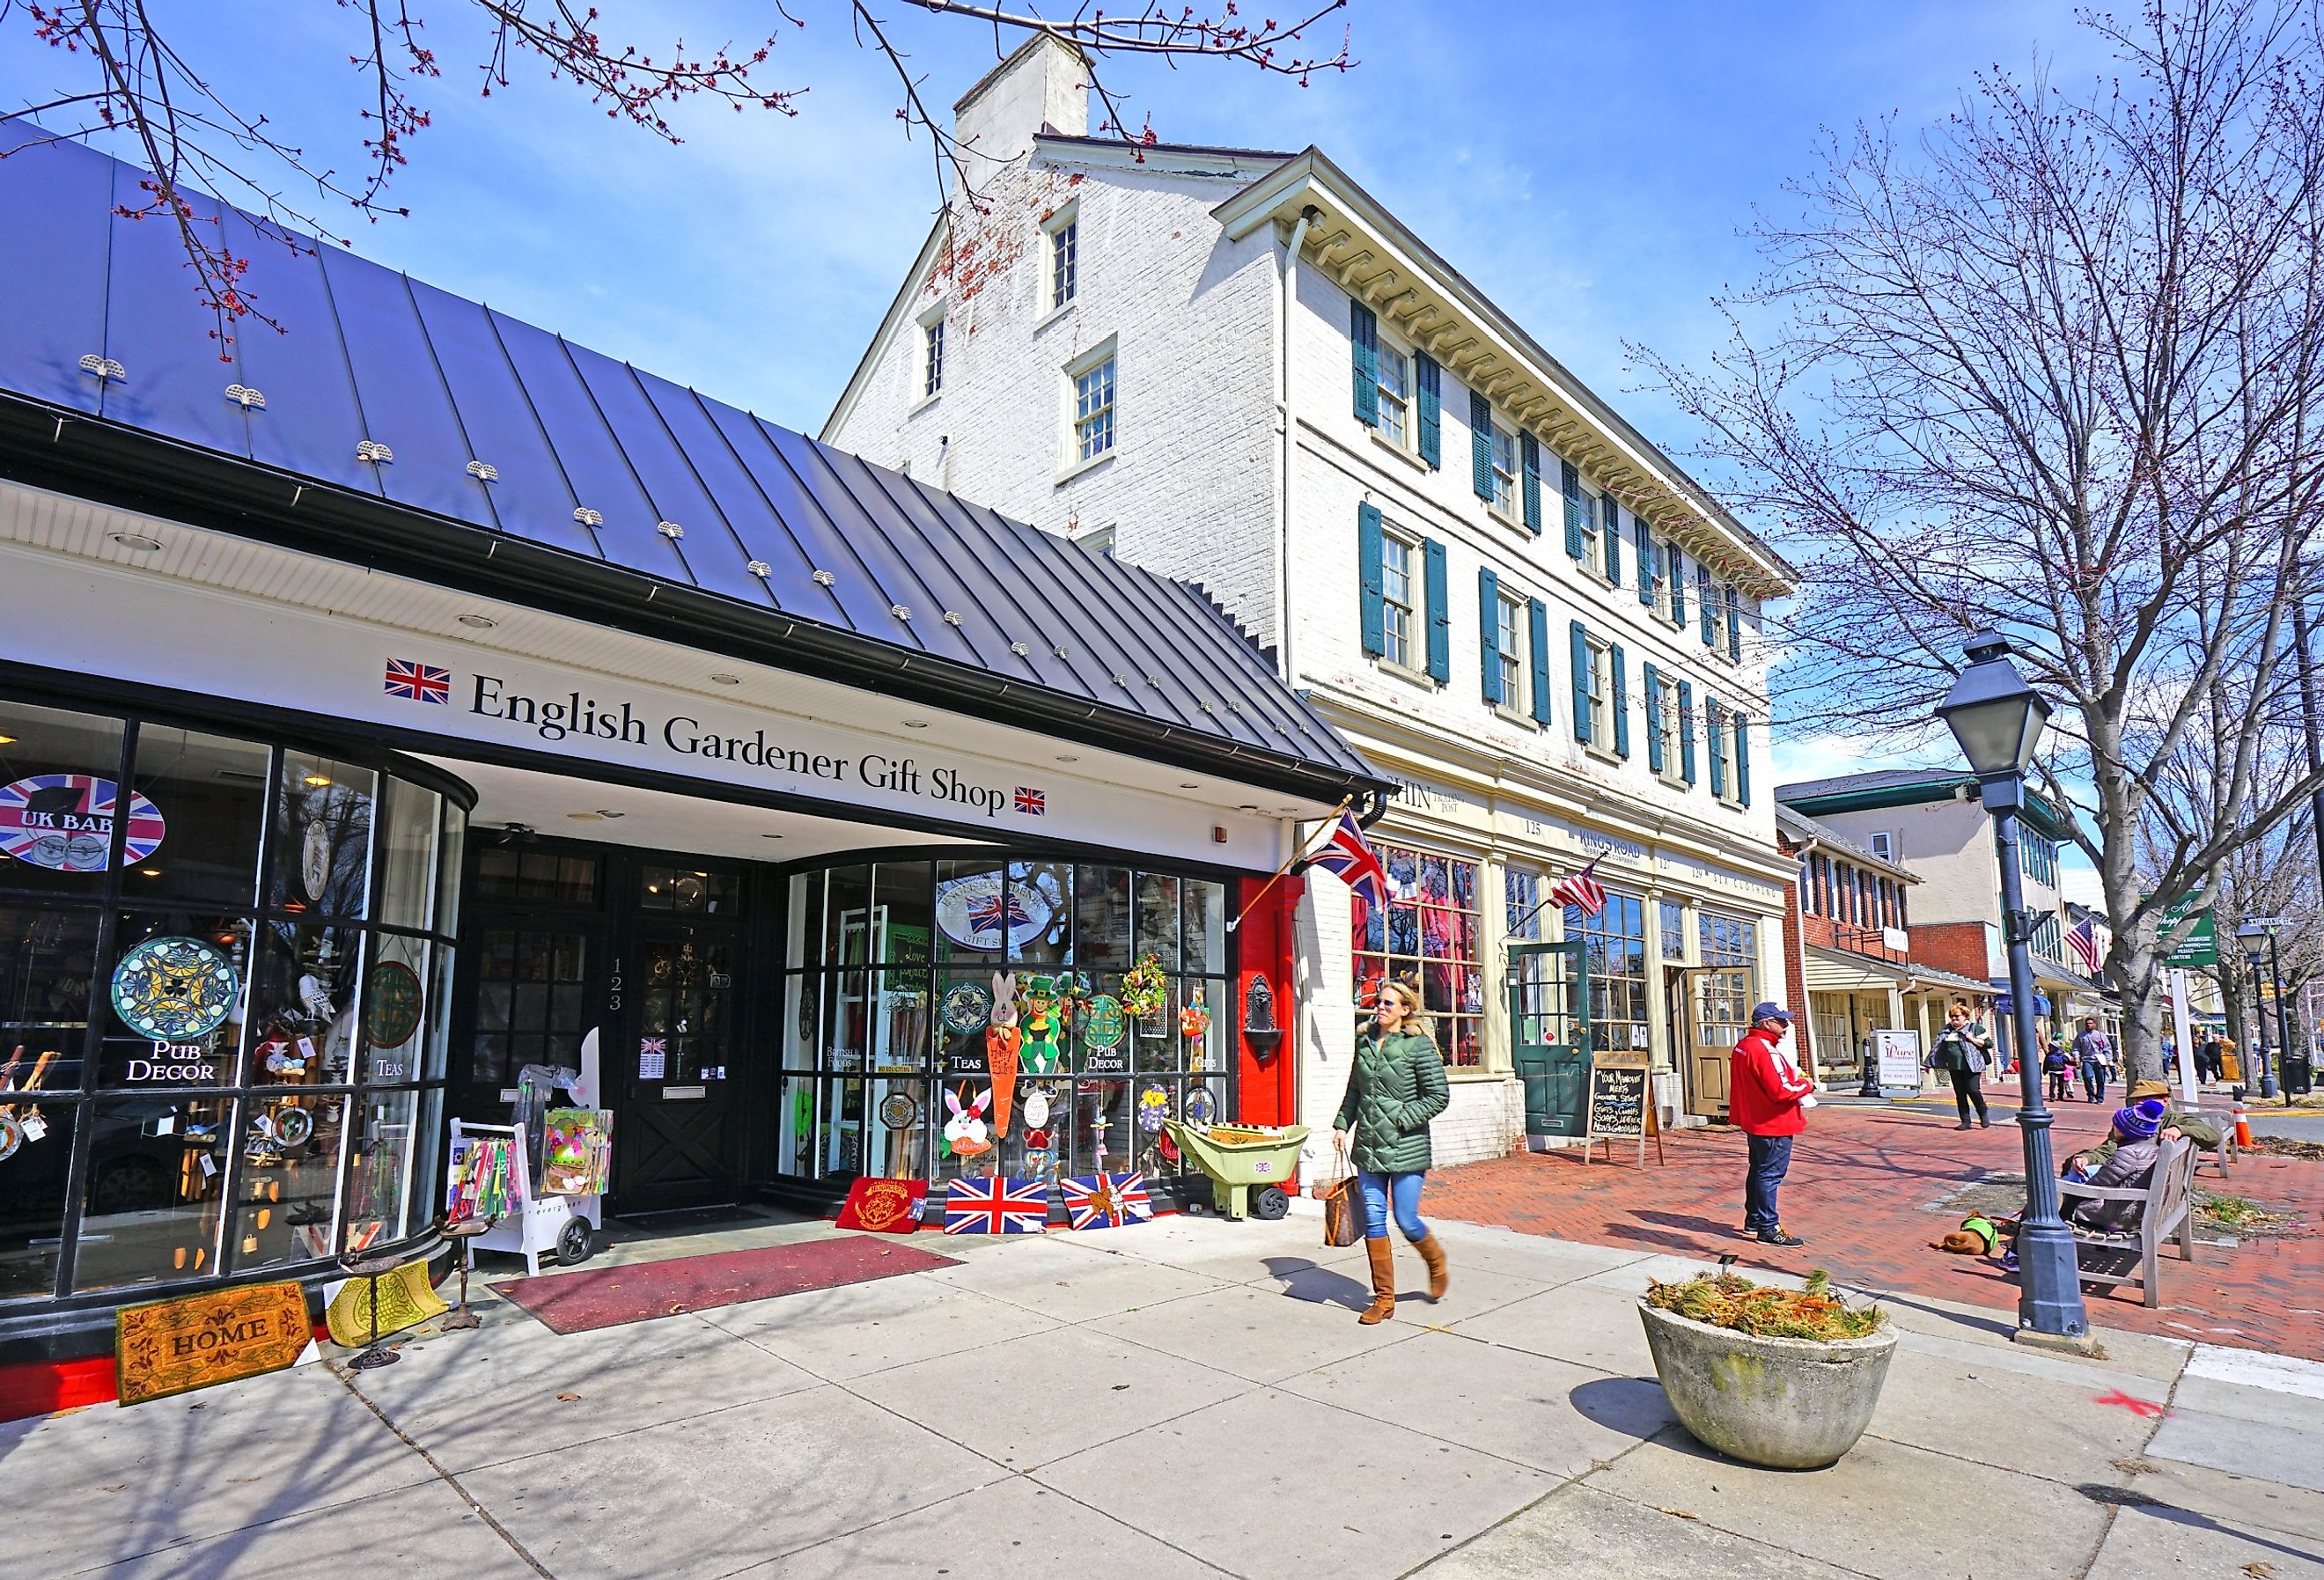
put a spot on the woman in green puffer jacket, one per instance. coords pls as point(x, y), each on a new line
point(1395, 1087)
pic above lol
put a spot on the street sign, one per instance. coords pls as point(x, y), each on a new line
point(2200, 947)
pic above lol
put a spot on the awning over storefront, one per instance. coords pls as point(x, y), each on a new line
point(393, 426)
point(1839, 970)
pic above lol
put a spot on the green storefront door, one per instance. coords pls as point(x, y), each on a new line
point(1549, 1034)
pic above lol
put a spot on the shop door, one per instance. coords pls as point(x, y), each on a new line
point(1549, 1036)
point(674, 1145)
point(1719, 1012)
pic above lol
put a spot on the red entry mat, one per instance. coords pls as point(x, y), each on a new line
point(608, 1297)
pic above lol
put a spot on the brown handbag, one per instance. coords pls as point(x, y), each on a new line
point(1343, 1206)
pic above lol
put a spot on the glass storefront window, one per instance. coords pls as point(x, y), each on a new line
point(1673, 931)
point(1615, 950)
point(1522, 893)
point(58, 779)
point(195, 1006)
point(885, 1022)
point(1429, 934)
point(1730, 940)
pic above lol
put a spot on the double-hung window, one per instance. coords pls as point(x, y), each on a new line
point(1395, 377)
point(1673, 728)
point(1718, 735)
point(1509, 649)
point(1093, 411)
point(1398, 601)
point(1601, 695)
point(932, 352)
point(1505, 471)
point(1593, 540)
point(1065, 260)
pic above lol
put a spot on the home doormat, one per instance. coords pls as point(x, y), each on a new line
point(608, 1297)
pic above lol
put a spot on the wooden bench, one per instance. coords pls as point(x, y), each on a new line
point(2166, 1211)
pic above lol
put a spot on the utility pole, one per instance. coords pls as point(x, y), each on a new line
point(2301, 1071)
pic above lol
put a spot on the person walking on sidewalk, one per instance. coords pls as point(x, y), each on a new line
point(2096, 1054)
point(1964, 1051)
point(1395, 1086)
point(2057, 1062)
point(1767, 1099)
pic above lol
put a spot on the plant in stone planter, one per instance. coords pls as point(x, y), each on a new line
point(1785, 1377)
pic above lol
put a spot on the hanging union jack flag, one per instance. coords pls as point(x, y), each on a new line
point(418, 682)
point(1106, 1201)
point(2082, 938)
point(1345, 855)
point(996, 1207)
point(1032, 802)
point(1581, 890)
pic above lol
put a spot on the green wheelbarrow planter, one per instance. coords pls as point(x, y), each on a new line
point(1248, 1176)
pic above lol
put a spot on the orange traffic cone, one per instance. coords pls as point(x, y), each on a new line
point(2243, 1126)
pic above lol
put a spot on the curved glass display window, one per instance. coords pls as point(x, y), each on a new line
point(1043, 1018)
point(221, 1043)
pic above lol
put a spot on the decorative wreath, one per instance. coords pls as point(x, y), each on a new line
point(1143, 990)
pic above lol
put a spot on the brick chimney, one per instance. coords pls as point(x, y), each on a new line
point(1043, 82)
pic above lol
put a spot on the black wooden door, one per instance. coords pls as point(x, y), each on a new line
point(680, 1004)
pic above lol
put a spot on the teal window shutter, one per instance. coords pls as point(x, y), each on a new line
point(1648, 560)
point(1616, 682)
point(1580, 656)
point(1710, 610)
point(1570, 481)
point(1714, 721)
point(1375, 586)
point(1480, 444)
point(1678, 585)
point(1612, 527)
point(1488, 628)
point(1538, 618)
point(1687, 730)
point(1655, 758)
point(1440, 623)
point(1364, 341)
point(1742, 760)
point(1735, 623)
point(1531, 448)
point(1431, 408)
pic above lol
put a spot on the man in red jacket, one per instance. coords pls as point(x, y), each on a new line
point(1766, 1099)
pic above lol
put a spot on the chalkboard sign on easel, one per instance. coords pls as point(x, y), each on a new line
point(1621, 1107)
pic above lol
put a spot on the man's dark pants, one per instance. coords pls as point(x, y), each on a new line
point(1771, 1159)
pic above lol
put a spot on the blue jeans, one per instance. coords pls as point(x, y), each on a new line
point(1400, 1190)
point(2094, 1080)
point(1771, 1159)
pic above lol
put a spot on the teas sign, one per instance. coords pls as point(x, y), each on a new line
point(174, 1346)
point(64, 822)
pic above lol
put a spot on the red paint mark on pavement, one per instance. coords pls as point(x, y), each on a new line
point(2138, 1407)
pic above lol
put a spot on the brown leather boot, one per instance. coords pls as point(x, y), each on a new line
point(1383, 1260)
point(1432, 1251)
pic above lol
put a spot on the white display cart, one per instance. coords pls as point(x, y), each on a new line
point(540, 1222)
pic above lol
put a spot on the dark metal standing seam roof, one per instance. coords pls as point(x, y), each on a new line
point(505, 459)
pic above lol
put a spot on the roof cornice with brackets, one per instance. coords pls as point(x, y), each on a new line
point(1377, 259)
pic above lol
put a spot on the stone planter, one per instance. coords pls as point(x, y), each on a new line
point(1788, 1403)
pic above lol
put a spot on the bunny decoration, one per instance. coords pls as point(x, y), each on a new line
point(964, 1132)
point(1001, 1038)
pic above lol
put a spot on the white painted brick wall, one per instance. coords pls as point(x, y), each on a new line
point(1189, 490)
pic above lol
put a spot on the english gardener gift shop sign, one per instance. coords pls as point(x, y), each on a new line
point(443, 692)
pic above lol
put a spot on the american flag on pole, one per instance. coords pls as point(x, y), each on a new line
point(415, 682)
point(2082, 939)
point(1581, 890)
point(1106, 1201)
point(996, 1207)
point(1345, 855)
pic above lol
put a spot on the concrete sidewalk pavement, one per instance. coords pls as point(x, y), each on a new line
point(1187, 1397)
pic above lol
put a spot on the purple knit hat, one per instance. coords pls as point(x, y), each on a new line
point(2140, 1119)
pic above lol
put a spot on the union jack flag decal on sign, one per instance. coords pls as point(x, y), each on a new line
point(1107, 1201)
point(1032, 802)
point(996, 1207)
point(418, 682)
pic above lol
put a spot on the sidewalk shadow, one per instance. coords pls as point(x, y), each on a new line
point(1988, 1324)
point(1303, 1280)
point(1635, 1407)
point(2159, 1509)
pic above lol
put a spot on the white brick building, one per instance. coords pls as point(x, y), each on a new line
point(1239, 368)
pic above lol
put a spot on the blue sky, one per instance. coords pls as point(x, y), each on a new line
point(1588, 167)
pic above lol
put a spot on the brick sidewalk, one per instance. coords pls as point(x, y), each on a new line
point(1863, 1185)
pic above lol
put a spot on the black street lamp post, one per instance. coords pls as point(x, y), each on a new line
point(2258, 940)
point(1998, 719)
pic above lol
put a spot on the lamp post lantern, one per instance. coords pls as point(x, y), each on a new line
point(1997, 720)
point(2258, 941)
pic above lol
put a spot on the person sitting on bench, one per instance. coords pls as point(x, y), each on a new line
point(2131, 1150)
point(2176, 1123)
